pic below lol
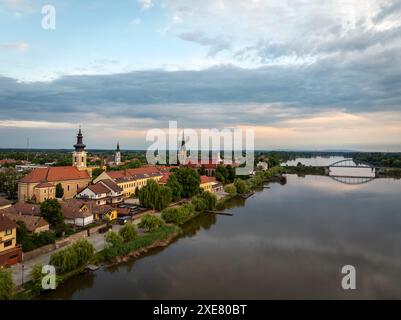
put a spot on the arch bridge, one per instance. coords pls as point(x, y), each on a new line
point(350, 163)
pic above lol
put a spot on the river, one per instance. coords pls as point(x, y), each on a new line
point(290, 241)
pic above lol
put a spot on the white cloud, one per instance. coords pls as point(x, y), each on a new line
point(19, 46)
point(146, 4)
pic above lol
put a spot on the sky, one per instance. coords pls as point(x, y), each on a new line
point(304, 74)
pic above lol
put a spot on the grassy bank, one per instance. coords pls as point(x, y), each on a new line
point(111, 253)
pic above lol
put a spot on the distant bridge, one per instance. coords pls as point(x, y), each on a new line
point(350, 163)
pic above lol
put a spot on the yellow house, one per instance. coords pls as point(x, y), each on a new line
point(10, 253)
point(131, 179)
point(207, 183)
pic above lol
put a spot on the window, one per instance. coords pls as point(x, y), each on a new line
point(75, 159)
point(68, 188)
point(8, 243)
point(8, 232)
point(82, 160)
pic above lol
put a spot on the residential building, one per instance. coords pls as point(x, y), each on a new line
point(76, 212)
point(34, 224)
point(10, 252)
point(131, 179)
point(206, 183)
point(103, 192)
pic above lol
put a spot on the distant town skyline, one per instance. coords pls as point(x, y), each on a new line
point(310, 75)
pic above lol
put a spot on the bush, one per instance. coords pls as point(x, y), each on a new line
point(73, 257)
point(110, 253)
point(113, 239)
point(128, 232)
point(199, 204)
point(6, 284)
point(231, 189)
point(210, 200)
point(178, 215)
point(240, 186)
point(150, 223)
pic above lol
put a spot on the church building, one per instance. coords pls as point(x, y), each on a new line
point(40, 184)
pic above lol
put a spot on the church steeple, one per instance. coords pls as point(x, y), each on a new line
point(79, 146)
point(183, 154)
point(79, 155)
point(117, 154)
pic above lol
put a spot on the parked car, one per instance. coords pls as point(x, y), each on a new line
point(124, 220)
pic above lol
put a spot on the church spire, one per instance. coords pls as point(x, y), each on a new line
point(79, 146)
point(118, 146)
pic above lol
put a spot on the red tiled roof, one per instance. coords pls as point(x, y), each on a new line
point(205, 179)
point(134, 174)
point(164, 179)
point(27, 209)
point(71, 209)
point(98, 188)
point(6, 223)
point(31, 222)
point(52, 174)
point(110, 184)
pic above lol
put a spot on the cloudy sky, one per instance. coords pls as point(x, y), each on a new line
point(305, 74)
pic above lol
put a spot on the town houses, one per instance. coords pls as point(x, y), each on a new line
point(86, 199)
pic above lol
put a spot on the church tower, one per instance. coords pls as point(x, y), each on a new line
point(183, 153)
point(117, 155)
point(79, 155)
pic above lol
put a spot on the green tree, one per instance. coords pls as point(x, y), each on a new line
point(97, 172)
point(230, 189)
point(178, 215)
point(6, 284)
point(73, 257)
point(50, 210)
point(113, 239)
point(175, 186)
point(189, 180)
point(150, 223)
point(128, 232)
point(240, 186)
point(59, 191)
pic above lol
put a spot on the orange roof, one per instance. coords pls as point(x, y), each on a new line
point(133, 174)
point(52, 174)
point(205, 179)
point(164, 179)
point(6, 223)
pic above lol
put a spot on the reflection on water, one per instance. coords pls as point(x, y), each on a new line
point(286, 242)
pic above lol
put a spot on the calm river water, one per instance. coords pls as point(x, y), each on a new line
point(290, 241)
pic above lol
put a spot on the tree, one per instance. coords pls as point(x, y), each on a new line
point(202, 170)
point(240, 186)
point(73, 257)
point(128, 232)
point(178, 215)
point(175, 186)
point(50, 210)
point(59, 191)
point(154, 196)
point(150, 223)
point(163, 198)
point(113, 239)
point(189, 180)
point(97, 172)
point(230, 189)
point(6, 284)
